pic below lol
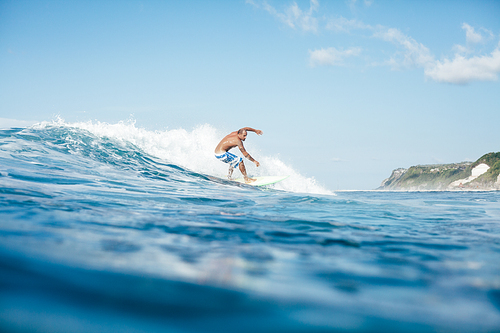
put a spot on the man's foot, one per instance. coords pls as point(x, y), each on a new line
point(249, 180)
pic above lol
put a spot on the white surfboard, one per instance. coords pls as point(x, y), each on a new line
point(262, 181)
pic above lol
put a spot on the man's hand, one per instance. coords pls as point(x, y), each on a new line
point(259, 132)
point(257, 163)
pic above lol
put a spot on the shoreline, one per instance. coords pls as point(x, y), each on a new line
point(461, 190)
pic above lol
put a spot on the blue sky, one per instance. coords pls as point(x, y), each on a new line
point(345, 91)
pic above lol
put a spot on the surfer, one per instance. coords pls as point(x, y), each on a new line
point(230, 141)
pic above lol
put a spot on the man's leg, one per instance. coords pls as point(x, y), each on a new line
point(230, 173)
point(243, 171)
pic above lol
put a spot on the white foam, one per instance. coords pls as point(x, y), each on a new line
point(194, 150)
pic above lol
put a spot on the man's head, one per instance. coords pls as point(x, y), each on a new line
point(242, 134)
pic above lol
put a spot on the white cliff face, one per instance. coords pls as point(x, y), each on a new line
point(479, 170)
point(476, 172)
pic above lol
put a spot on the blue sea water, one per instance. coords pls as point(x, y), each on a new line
point(108, 228)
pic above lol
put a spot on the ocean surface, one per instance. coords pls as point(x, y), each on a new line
point(113, 228)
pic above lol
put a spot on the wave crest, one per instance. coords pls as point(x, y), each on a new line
point(193, 150)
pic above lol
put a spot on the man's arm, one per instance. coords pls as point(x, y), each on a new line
point(247, 155)
point(259, 132)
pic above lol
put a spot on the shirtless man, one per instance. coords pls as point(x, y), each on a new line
point(230, 141)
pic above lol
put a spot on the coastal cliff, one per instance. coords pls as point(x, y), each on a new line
point(483, 174)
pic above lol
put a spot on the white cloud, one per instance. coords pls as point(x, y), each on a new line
point(293, 16)
point(466, 66)
point(460, 70)
point(471, 36)
point(414, 53)
point(331, 56)
point(352, 4)
point(460, 49)
point(463, 70)
point(342, 24)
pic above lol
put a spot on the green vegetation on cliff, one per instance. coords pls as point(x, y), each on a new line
point(446, 176)
point(428, 177)
point(490, 177)
point(490, 159)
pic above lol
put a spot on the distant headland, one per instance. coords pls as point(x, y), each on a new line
point(483, 174)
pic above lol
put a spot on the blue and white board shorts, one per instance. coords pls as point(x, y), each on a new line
point(229, 158)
